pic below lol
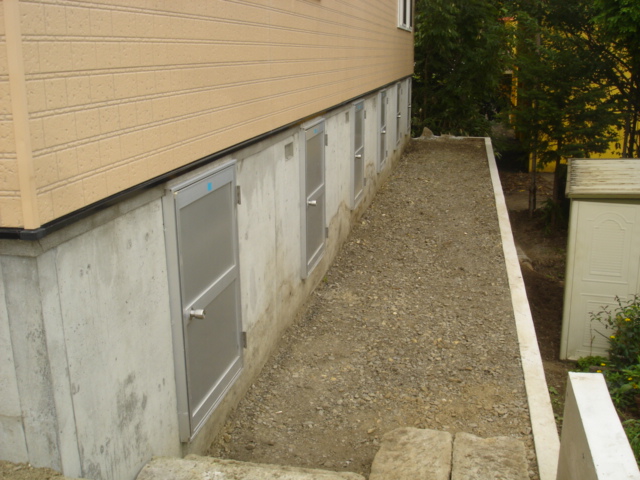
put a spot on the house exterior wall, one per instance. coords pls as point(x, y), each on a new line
point(86, 320)
point(10, 202)
point(117, 93)
point(88, 375)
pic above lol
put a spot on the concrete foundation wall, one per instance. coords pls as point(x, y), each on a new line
point(88, 324)
point(87, 370)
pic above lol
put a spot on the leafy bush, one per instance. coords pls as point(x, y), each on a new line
point(632, 427)
point(623, 386)
point(624, 325)
point(622, 369)
point(585, 364)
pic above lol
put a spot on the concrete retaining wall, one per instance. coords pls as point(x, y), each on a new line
point(593, 444)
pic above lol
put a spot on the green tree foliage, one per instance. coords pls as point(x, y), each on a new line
point(564, 105)
point(617, 40)
point(462, 48)
point(605, 33)
point(567, 106)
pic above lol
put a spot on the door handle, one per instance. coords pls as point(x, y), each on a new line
point(198, 313)
point(384, 130)
point(399, 115)
point(358, 156)
point(312, 203)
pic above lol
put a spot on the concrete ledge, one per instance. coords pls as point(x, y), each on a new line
point(594, 444)
point(543, 425)
point(194, 467)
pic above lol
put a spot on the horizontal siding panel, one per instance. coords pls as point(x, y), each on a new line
point(10, 209)
point(10, 201)
point(121, 91)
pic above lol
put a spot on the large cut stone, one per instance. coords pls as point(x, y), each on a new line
point(413, 454)
point(194, 467)
point(498, 458)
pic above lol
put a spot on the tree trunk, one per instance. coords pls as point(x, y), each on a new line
point(625, 137)
point(557, 182)
point(633, 136)
point(533, 187)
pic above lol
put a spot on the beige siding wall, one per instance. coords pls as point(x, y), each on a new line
point(10, 204)
point(121, 91)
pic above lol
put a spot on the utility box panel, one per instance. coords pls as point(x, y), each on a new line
point(603, 251)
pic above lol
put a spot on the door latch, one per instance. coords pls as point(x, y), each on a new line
point(198, 313)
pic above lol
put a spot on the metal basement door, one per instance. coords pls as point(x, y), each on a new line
point(206, 234)
point(313, 209)
point(382, 130)
point(358, 152)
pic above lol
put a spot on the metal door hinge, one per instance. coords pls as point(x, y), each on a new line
point(238, 197)
point(365, 114)
point(326, 140)
point(244, 339)
point(326, 232)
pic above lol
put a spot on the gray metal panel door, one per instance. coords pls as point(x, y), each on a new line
point(314, 196)
point(382, 131)
point(209, 287)
point(358, 152)
point(409, 119)
point(398, 113)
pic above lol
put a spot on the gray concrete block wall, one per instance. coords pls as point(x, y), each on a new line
point(87, 371)
point(91, 339)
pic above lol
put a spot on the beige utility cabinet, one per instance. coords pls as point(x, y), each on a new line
point(603, 249)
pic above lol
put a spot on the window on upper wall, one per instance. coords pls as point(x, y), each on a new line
point(405, 14)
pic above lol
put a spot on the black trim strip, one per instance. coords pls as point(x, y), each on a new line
point(68, 219)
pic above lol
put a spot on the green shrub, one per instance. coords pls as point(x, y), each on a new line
point(622, 369)
point(584, 364)
point(623, 386)
point(624, 327)
point(632, 429)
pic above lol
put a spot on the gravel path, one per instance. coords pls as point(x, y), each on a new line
point(412, 326)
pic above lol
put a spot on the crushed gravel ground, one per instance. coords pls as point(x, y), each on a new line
point(412, 326)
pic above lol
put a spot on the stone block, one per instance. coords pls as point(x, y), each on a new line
point(412, 453)
point(194, 467)
point(497, 458)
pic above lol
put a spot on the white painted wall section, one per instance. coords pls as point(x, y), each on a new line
point(594, 445)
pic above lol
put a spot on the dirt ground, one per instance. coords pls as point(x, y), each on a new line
point(412, 326)
point(21, 471)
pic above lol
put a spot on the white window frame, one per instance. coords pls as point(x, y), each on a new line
point(405, 15)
